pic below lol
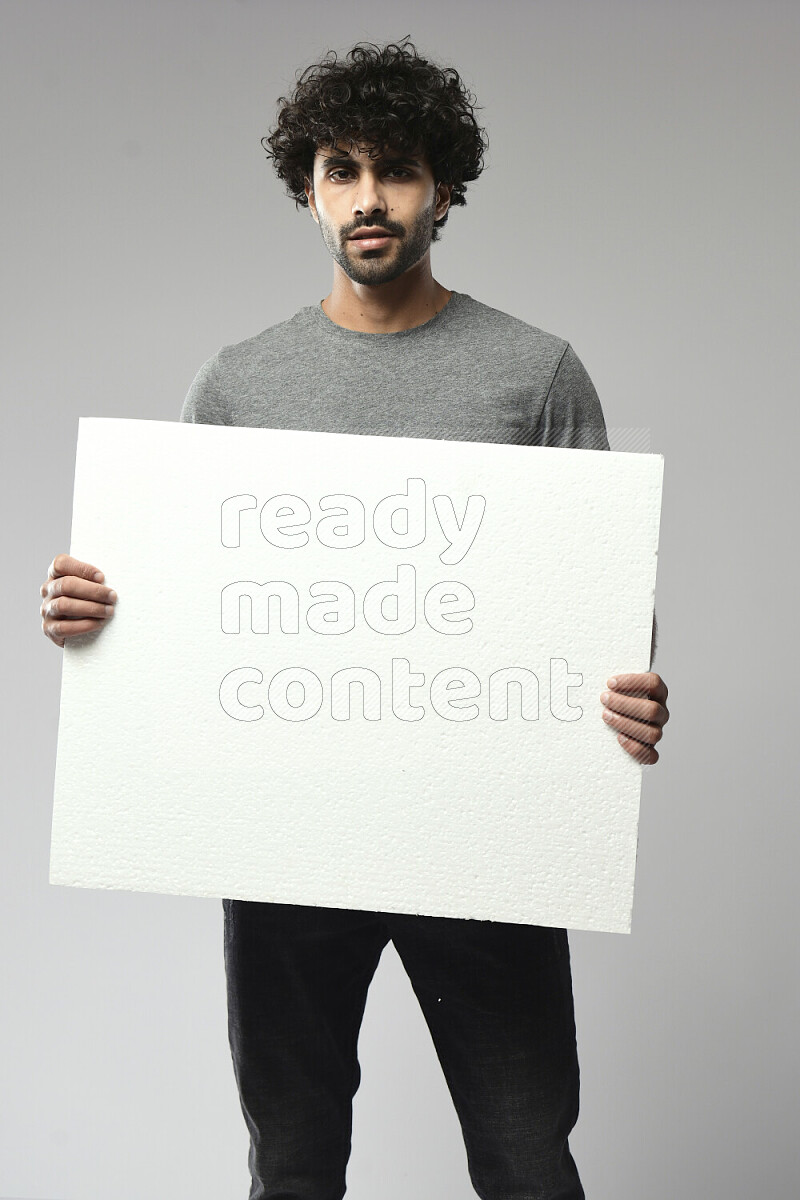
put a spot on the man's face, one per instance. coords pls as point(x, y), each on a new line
point(397, 193)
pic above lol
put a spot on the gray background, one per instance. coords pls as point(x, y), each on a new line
point(640, 200)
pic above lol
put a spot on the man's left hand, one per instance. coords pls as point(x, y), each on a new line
point(635, 708)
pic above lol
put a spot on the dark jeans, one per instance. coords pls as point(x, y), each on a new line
point(498, 1002)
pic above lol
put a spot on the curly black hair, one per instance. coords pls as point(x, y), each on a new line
point(384, 97)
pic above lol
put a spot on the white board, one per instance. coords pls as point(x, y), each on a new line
point(211, 744)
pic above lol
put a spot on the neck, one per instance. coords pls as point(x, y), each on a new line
point(411, 299)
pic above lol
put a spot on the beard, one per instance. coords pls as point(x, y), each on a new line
point(381, 266)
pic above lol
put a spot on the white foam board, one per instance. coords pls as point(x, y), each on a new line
point(213, 742)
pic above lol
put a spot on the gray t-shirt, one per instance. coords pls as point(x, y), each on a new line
point(471, 373)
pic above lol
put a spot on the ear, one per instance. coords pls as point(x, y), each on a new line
point(443, 193)
point(308, 188)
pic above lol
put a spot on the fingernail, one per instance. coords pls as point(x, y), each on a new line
point(98, 575)
point(612, 683)
point(604, 697)
point(112, 595)
point(109, 609)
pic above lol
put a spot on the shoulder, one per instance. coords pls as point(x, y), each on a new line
point(270, 341)
point(512, 328)
point(525, 349)
point(227, 373)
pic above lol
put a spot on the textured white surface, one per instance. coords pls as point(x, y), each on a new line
point(163, 785)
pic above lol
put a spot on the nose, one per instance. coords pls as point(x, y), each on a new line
point(369, 199)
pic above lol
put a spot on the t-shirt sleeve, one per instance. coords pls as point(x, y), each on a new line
point(204, 403)
point(572, 417)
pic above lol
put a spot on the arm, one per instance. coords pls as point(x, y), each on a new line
point(572, 416)
point(75, 597)
point(205, 403)
point(635, 704)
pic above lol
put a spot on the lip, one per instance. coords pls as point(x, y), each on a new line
point(370, 231)
point(372, 237)
point(372, 243)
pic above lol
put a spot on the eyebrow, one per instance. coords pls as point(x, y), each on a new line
point(341, 160)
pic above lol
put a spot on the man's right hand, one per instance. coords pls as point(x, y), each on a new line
point(74, 599)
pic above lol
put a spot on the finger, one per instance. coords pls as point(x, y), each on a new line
point(640, 710)
point(67, 606)
point(639, 730)
point(644, 683)
point(59, 631)
point(645, 755)
point(74, 595)
point(79, 589)
point(65, 564)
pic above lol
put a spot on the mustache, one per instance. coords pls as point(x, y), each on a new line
point(374, 225)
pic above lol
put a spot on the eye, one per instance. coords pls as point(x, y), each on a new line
point(346, 171)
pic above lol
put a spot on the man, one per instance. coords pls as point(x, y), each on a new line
point(379, 146)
